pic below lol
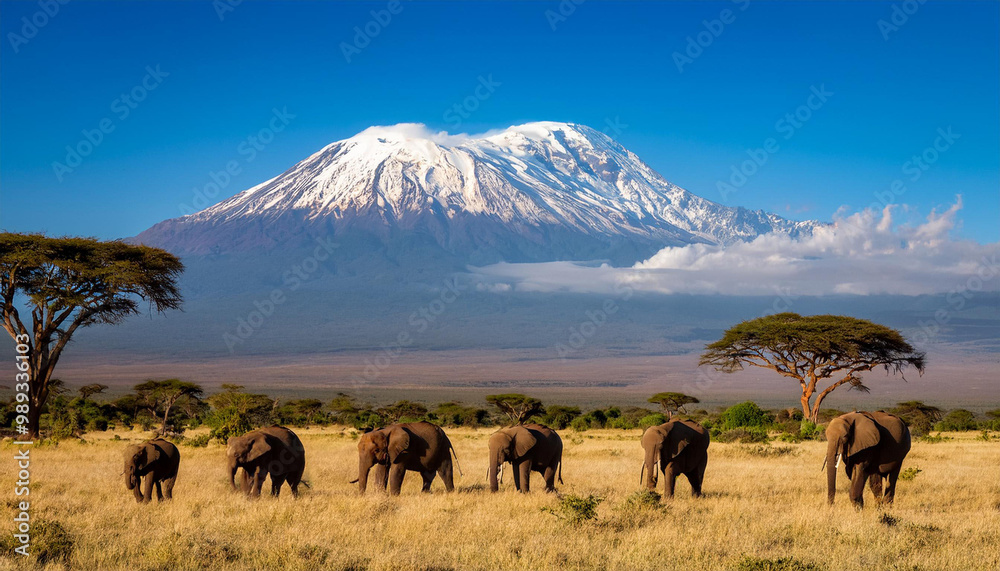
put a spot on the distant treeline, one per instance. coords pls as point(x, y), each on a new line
point(173, 406)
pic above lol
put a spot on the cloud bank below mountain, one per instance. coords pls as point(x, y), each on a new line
point(863, 253)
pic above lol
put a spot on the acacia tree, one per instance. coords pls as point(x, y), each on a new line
point(518, 408)
point(813, 350)
point(672, 402)
point(159, 397)
point(69, 283)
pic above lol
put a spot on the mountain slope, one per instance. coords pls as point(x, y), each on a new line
point(534, 192)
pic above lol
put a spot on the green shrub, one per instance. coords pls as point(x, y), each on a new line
point(750, 563)
point(958, 420)
point(559, 417)
point(575, 509)
point(909, 474)
point(744, 435)
point(580, 424)
point(767, 451)
point(654, 419)
point(809, 430)
point(199, 441)
point(644, 499)
point(933, 438)
point(744, 415)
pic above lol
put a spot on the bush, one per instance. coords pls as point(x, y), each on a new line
point(744, 415)
point(645, 499)
point(199, 441)
point(50, 542)
point(575, 509)
point(749, 563)
point(580, 424)
point(743, 435)
point(958, 420)
point(809, 430)
point(559, 417)
point(909, 474)
point(654, 419)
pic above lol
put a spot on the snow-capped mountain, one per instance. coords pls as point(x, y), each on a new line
point(539, 191)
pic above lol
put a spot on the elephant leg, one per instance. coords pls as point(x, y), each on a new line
point(875, 485)
point(857, 492)
point(293, 482)
point(147, 488)
point(396, 473)
point(550, 478)
point(447, 473)
point(525, 470)
point(159, 491)
point(428, 477)
point(276, 482)
point(669, 481)
point(515, 469)
point(168, 488)
point(696, 477)
point(890, 488)
point(258, 482)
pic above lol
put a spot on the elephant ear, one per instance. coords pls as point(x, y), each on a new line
point(523, 441)
point(153, 453)
point(399, 441)
point(865, 434)
point(258, 447)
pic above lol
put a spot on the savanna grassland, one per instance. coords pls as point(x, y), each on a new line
point(762, 502)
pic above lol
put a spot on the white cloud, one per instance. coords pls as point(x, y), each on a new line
point(862, 254)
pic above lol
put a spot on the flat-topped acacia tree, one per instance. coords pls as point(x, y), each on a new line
point(821, 352)
point(69, 283)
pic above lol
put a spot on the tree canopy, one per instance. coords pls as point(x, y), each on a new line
point(518, 408)
point(159, 397)
point(69, 283)
point(813, 350)
point(672, 402)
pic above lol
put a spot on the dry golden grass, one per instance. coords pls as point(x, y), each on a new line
point(768, 506)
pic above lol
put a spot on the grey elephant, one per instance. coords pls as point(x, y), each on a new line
point(872, 446)
point(528, 448)
point(416, 446)
point(674, 448)
point(154, 462)
point(274, 451)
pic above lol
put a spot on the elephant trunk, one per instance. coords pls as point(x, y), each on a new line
point(233, 466)
point(832, 463)
point(652, 466)
point(496, 464)
point(364, 466)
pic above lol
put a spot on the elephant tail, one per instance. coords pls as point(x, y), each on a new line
point(306, 484)
point(455, 454)
point(560, 471)
point(354, 481)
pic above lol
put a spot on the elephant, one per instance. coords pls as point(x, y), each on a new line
point(528, 447)
point(872, 446)
point(273, 451)
point(155, 460)
point(674, 448)
point(393, 450)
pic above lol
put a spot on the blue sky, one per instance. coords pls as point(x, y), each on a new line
point(220, 81)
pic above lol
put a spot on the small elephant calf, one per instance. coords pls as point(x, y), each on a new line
point(155, 460)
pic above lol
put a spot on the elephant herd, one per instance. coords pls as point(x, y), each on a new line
point(871, 445)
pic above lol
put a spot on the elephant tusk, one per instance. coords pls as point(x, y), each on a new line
point(837, 465)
